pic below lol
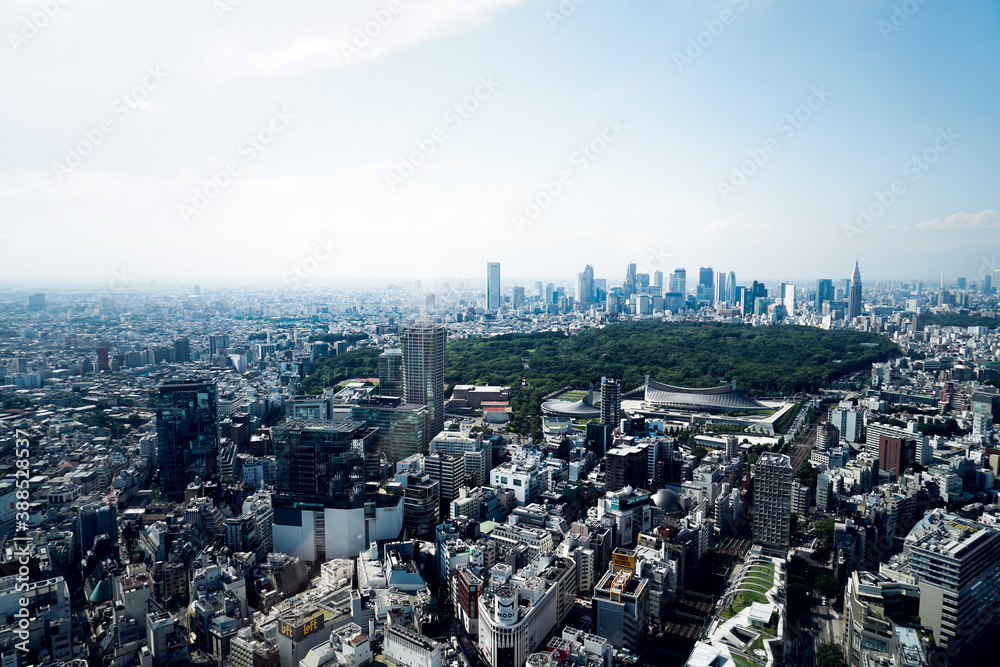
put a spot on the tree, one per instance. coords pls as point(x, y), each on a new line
point(829, 655)
point(828, 586)
point(272, 416)
point(824, 529)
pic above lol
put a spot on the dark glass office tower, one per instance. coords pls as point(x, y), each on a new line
point(187, 433)
point(321, 464)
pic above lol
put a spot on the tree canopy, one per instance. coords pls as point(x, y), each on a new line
point(764, 361)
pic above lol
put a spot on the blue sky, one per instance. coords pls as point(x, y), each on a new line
point(255, 136)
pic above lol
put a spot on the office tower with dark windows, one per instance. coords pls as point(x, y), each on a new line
point(611, 400)
point(772, 502)
point(854, 299)
point(493, 286)
point(402, 427)
point(423, 370)
point(182, 350)
point(103, 362)
point(824, 292)
point(327, 500)
point(390, 372)
point(218, 344)
point(187, 434)
point(706, 284)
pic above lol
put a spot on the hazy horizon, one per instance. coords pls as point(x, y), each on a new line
point(230, 141)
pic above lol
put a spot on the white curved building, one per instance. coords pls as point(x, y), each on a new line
point(517, 611)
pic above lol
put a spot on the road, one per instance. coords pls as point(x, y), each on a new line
point(828, 625)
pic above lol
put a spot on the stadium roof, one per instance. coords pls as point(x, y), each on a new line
point(725, 397)
point(576, 410)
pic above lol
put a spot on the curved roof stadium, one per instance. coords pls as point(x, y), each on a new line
point(725, 398)
point(582, 409)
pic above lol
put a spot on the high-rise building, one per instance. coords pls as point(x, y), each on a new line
point(421, 505)
point(36, 302)
point(720, 287)
point(218, 344)
point(731, 288)
point(626, 466)
point(788, 297)
point(518, 300)
point(629, 286)
point(824, 292)
point(327, 501)
point(611, 400)
point(182, 350)
point(827, 436)
point(423, 370)
point(493, 286)
point(475, 450)
point(658, 279)
point(987, 284)
point(678, 282)
point(706, 276)
point(187, 433)
point(772, 501)
point(956, 563)
point(96, 519)
point(585, 287)
point(895, 455)
point(402, 428)
point(103, 363)
point(390, 372)
point(854, 300)
point(619, 602)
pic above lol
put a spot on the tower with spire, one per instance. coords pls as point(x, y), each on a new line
point(854, 300)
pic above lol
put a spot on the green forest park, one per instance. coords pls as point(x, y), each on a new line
point(764, 361)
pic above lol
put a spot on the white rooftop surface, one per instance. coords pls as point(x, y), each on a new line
point(706, 655)
point(761, 612)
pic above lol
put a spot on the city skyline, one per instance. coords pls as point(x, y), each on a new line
point(659, 134)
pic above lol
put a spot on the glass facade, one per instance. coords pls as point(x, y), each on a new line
point(187, 434)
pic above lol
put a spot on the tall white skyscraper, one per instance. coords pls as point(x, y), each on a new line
point(788, 297)
point(720, 286)
point(493, 286)
point(731, 288)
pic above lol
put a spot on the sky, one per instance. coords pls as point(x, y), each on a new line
point(200, 140)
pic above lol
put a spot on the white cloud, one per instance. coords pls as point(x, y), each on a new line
point(988, 219)
point(736, 225)
point(340, 35)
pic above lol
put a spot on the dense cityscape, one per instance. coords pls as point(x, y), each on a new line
point(194, 475)
point(499, 333)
